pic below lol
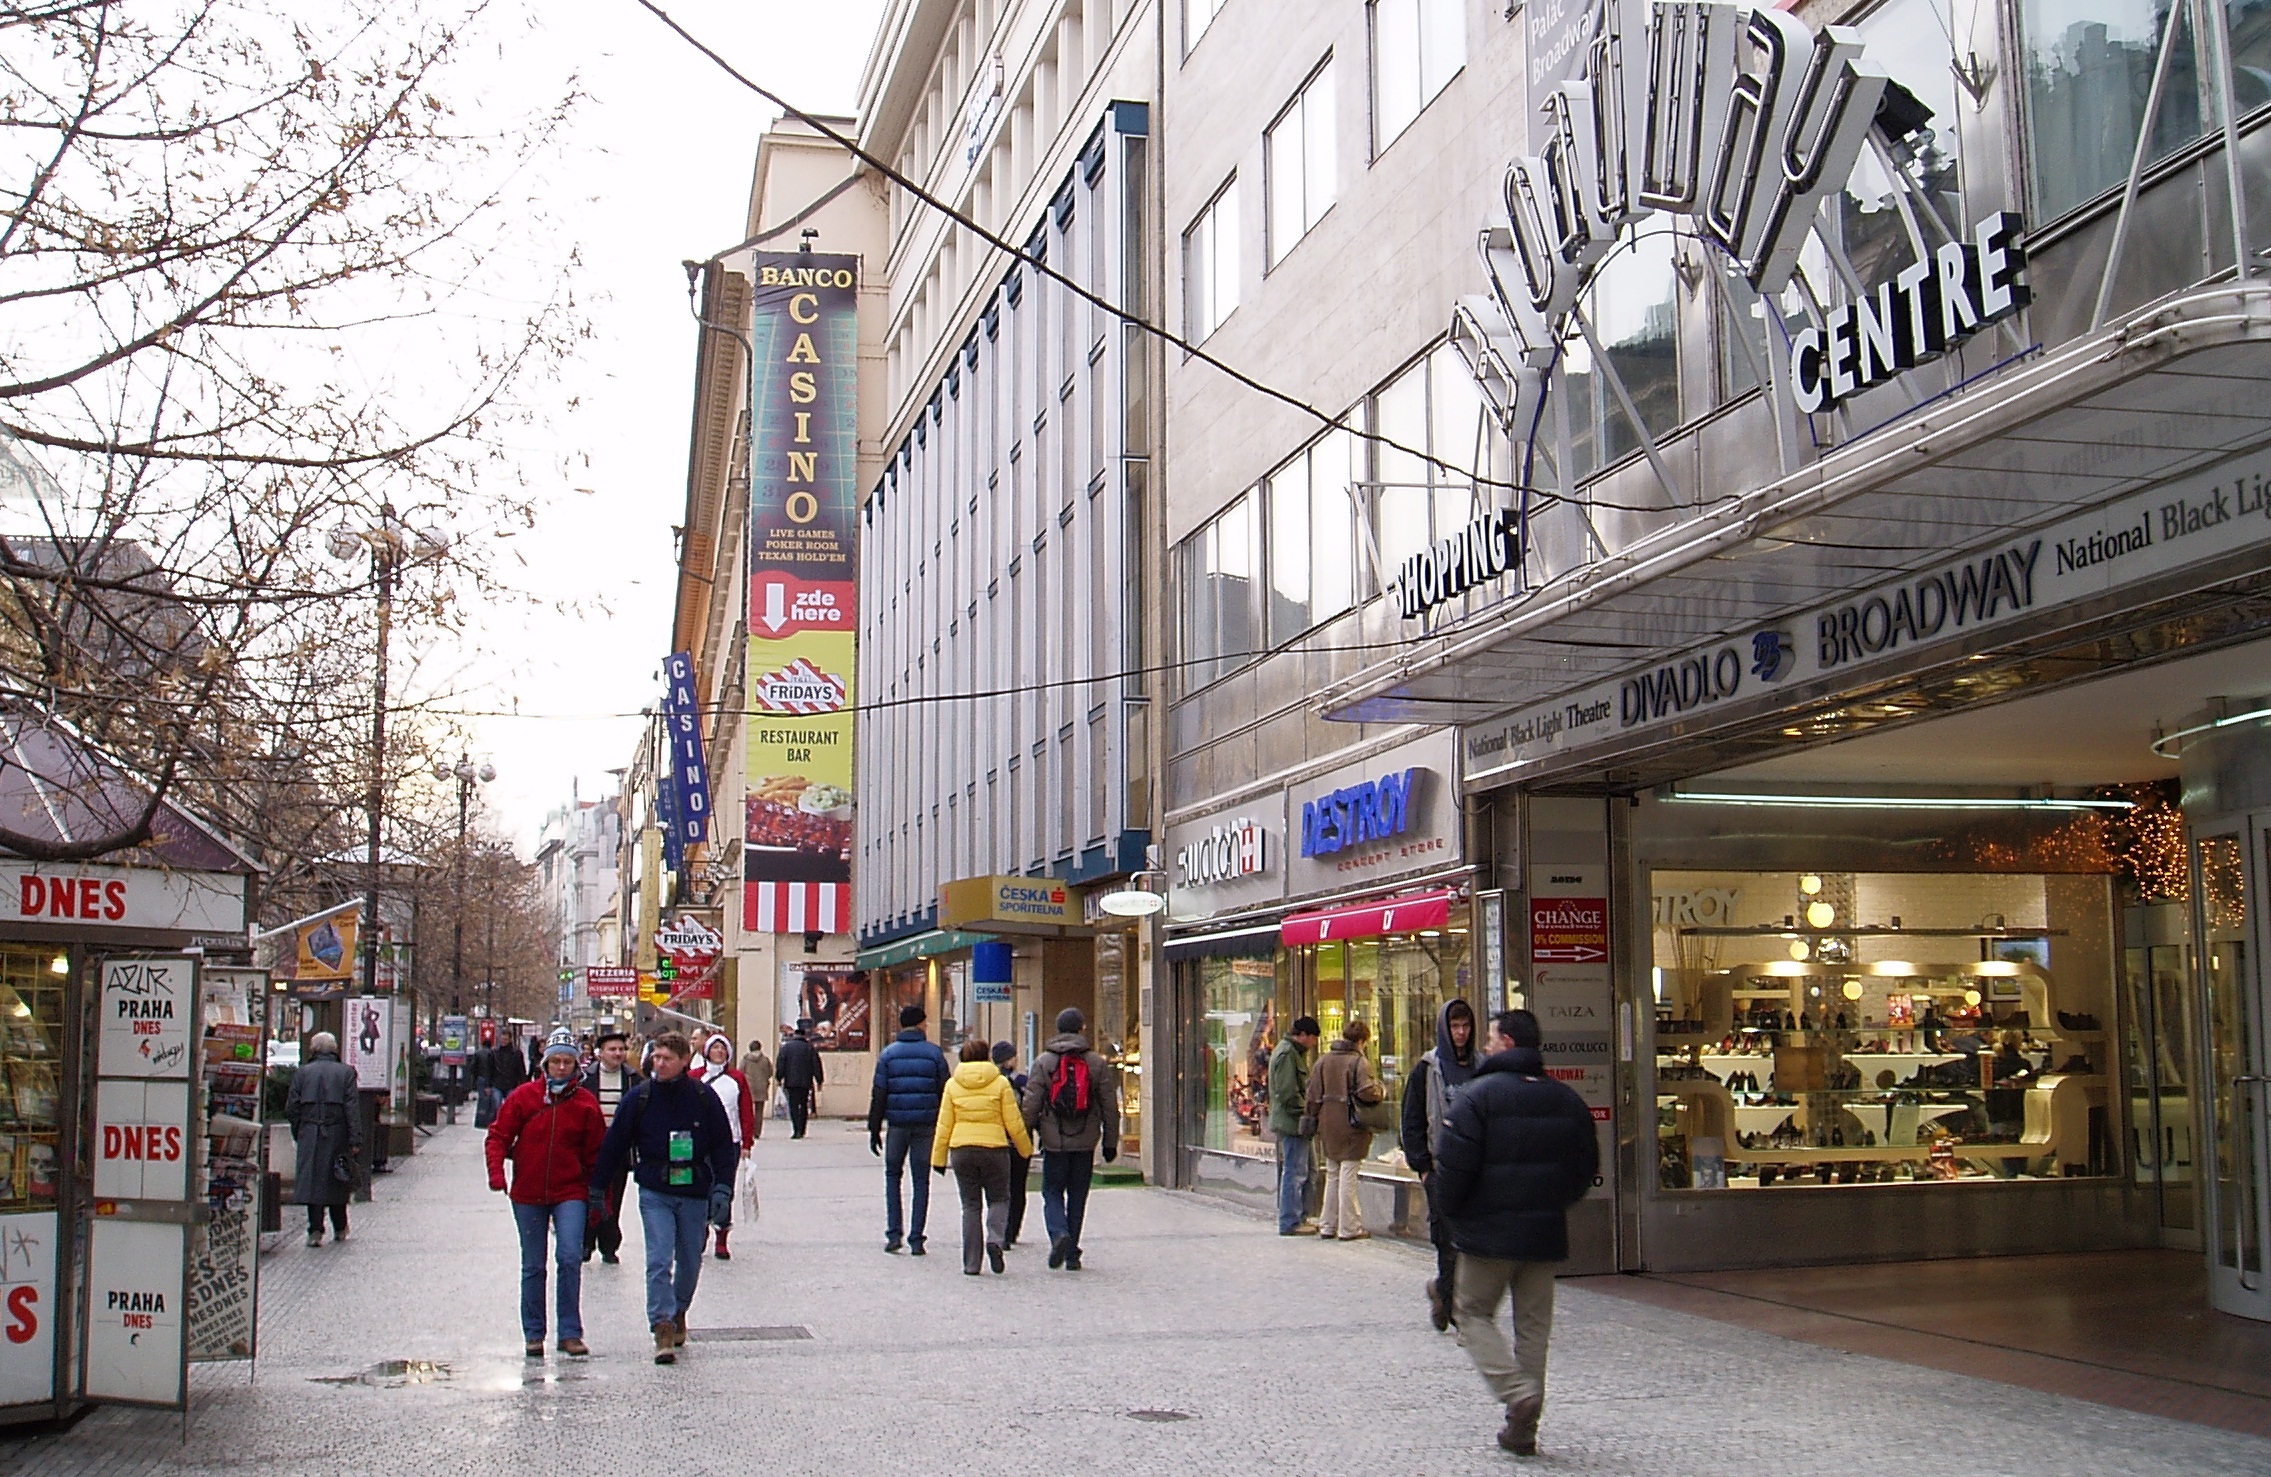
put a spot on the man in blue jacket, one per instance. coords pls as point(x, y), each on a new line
point(902, 1115)
point(1517, 1150)
point(676, 1131)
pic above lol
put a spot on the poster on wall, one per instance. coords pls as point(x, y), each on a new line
point(367, 1042)
point(148, 1009)
point(803, 595)
point(834, 997)
point(1570, 991)
point(27, 1307)
point(135, 1329)
point(325, 952)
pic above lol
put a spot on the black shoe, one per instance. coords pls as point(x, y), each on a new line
point(993, 1255)
point(970, 1272)
point(610, 1258)
point(1438, 1306)
point(914, 1248)
point(1056, 1252)
point(892, 1243)
point(1072, 1260)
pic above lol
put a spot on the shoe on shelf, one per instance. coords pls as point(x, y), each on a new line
point(665, 1346)
point(892, 1244)
point(1056, 1252)
point(534, 1348)
point(575, 1347)
point(993, 1258)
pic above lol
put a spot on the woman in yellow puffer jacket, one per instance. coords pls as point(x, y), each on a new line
point(979, 1122)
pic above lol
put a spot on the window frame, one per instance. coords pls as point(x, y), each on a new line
point(1198, 327)
point(1297, 109)
point(1383, 136)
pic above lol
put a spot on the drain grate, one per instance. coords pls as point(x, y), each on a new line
point(765, 1333)
point(391, 1374)
point(1161, 1415)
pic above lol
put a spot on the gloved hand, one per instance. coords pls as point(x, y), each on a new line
point(1110, 1155)
point(721, 1204)
point(939, 1169)
point(874, 1142)
point(498, 1184)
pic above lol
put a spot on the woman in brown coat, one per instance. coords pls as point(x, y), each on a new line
point(1343, 1075)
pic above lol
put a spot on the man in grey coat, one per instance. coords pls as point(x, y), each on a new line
point(1072, 1103)
point(326, 1114)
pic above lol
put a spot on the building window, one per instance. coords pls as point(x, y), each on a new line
point(1298, 163)
point(1424, 486)
point(2089, 71)
point(1221, 575)
point(1197, 16)
point(1313, 536)
point(1633, 306)
point(1210, 264)
point(1417, 47)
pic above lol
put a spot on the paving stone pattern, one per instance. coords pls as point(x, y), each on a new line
point(1287, 1356)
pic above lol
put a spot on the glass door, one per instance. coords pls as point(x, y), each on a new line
point(2231, 866)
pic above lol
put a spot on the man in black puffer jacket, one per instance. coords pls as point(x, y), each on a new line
point(1518, 1150)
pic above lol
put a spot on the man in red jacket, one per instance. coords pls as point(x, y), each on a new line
point(551, 1129)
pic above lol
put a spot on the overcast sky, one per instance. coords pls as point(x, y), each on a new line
point(657, 171)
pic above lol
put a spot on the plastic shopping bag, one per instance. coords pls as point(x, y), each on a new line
point(748, 1193)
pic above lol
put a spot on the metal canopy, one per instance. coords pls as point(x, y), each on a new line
point(2168, 392)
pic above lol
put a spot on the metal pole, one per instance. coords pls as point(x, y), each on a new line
point(382, 562)
point(2137, 160)
point(457, 926)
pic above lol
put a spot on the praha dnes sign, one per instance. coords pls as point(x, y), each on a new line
point(1744, 121)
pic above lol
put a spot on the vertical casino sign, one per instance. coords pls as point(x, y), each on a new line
point(803, 591)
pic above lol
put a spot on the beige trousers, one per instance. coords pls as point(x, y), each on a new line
point(1511, 1372)
point(1342, 1216)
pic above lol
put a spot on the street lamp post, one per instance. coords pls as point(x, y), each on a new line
point(391, 542)
point(467, 774)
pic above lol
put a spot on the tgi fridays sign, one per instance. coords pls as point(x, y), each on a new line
point(693, 948)
point(2153, 535)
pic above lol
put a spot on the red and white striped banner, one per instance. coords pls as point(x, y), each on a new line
point(799, 687)
point(797, 907)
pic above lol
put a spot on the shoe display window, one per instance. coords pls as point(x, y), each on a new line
point(1818, 1029)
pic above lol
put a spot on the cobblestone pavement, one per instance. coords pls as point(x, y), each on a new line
point(1196, 1341)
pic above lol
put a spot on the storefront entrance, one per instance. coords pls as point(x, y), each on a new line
point(2233, 864)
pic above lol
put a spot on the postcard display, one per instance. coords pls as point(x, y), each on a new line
point(224, 1262)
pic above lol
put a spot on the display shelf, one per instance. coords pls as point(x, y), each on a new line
point(1880, 1153)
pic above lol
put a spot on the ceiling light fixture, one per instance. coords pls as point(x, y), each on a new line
point(2178, 737)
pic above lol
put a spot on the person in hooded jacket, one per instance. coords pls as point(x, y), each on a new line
point(902, 1118)
point(724, 1078)
point(1020, 1165)
point(550, 1129)
point(1072, 1102)
point(1434, 1084)
point(678, 1132)
point(1517, 1150)
point(1343, 1079)
point(979, 1128)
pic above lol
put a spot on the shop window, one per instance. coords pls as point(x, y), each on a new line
point(1238, 1027)
point(1822, 1030)
point(1633, 306)
point(1313, 536)
point(1210, 264)
point(1299, 163)
point(1220, 575)
point(1418, 46)
point(1396, 985)
point(31, 1062)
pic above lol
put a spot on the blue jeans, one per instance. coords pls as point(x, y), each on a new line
point(1064, 1192)
point(565, 1222)
point(900, 1145)
point(1292, 1181)
point(676, 1226)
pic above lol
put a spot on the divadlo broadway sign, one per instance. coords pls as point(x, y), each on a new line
point(2147, 535)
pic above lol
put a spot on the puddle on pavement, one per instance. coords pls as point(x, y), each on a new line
point(1161, 1416)
point(392, 1374)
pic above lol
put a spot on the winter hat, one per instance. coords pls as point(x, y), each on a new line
point(563, 1043)
point(1070, 1022)
point(1005, 1052)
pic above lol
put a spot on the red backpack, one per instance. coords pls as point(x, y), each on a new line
point(1072, 1088)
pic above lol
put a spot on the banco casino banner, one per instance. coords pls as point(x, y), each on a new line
point(803, 594)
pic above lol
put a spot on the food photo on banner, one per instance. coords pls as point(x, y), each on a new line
point(834, 997)
point(803, 607)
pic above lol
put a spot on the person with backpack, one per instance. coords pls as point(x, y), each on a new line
point(1434, 1084)
point(802, 1076)
point(551, 1130)
point(675, 1131)
point(1020, 1165)
point(980, 1127)
point(1072, 1102)
point(1517, 1150)
point(1340, 1088)
point(902, 1117)
point(1288, 1086)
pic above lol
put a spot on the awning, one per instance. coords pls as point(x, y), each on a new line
point(2110, 414)
point(1369, 920)
point(921, 946)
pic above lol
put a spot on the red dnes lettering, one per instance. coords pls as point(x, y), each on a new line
point(23, 1314)
point(71, 897)
point(149, 1143)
